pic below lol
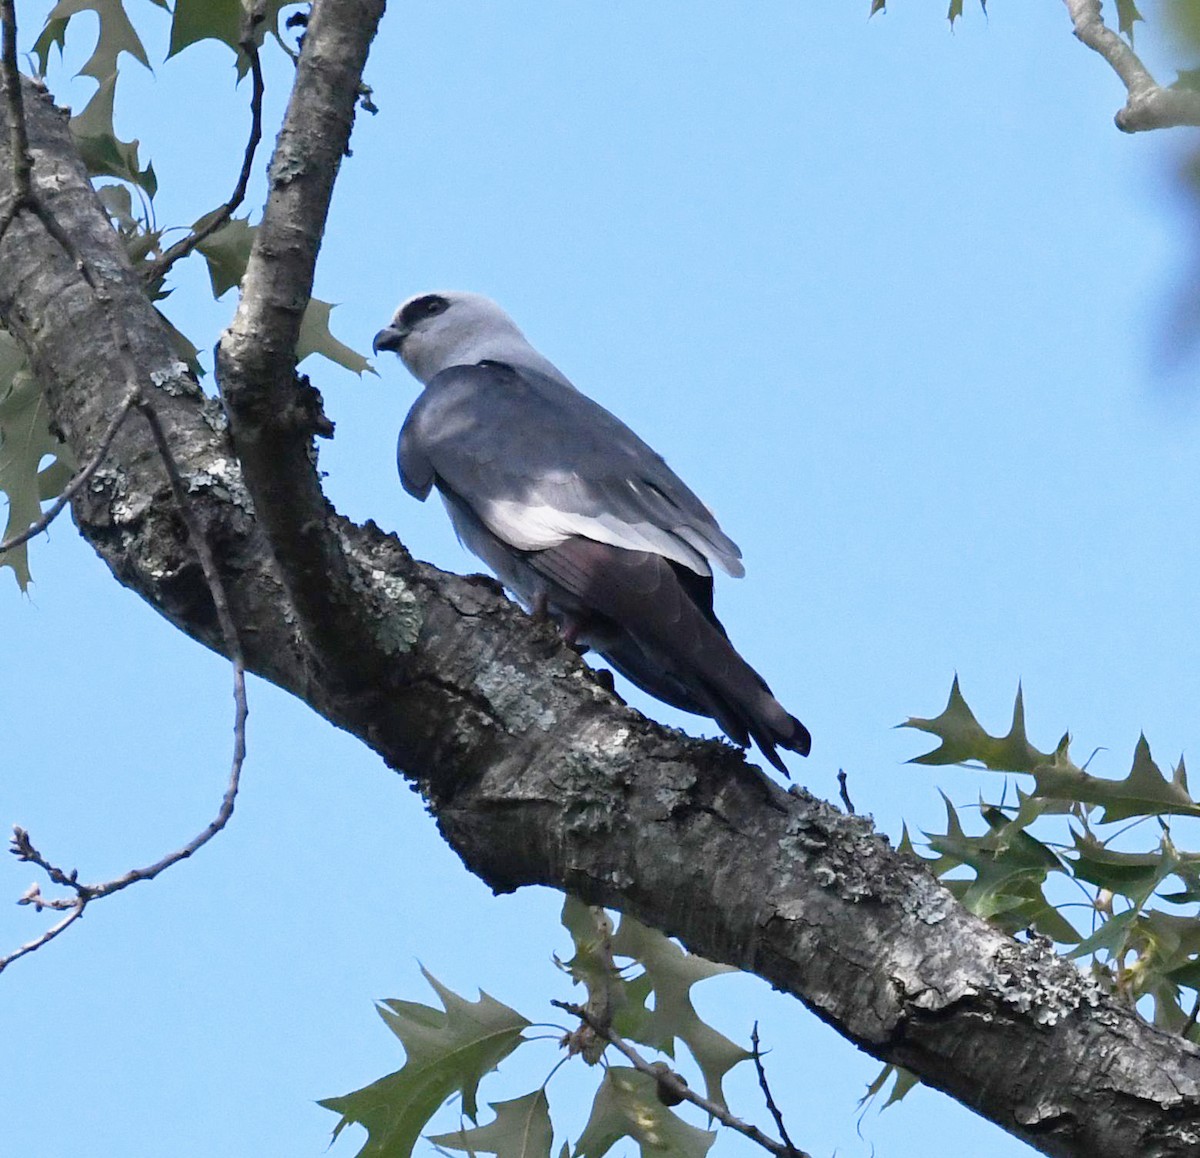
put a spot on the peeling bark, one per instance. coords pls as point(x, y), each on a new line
point(535, 774)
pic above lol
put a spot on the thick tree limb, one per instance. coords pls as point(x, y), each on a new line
point(1148, 105)
point(536, 775)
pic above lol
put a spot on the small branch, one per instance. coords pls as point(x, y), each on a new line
point(22, 846)
point(159, 267)
point(766, 1088)
point(844, 791)
point(80, 479)
point(24, 197)
point(1149, 105)
point(677, 1087)
point(22, 161)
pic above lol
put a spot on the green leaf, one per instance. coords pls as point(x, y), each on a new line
point(1127, 16)
point(1109, 937)
point(196, 20)
point(1135, 875)
point(591, 932)
point(447, 1051)
point(316, 338)
point(1144, 792)
point(227, 251)
point(521, 1129)
point(964, 740)
point(1010, 868)
point(1188, 78)
point(25, 439)
point(877, 6)
point(116, 35)
point(103, 153)
point(956, 10)
point(904, 1081)
point(627, 1106)
point(592, 966)
point(669, 975)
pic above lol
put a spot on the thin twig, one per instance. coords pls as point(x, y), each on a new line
point(23, 847)
point(159, 267)
point(1149, 105)
point(676, 1086)
point(79, 480)
point(766, 1088)
point(22, 162)
point(844, 791)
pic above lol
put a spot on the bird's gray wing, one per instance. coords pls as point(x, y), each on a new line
point(538, 462)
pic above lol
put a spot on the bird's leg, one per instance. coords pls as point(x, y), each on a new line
point(539, 609)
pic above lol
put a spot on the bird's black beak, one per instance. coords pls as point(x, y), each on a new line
point(389, 338)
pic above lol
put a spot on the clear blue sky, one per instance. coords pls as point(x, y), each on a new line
point(891, 298)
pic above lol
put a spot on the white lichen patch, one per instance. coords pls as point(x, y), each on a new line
point(501, 684)
point(1034, 980)
point(223, 478)
point(172, 379)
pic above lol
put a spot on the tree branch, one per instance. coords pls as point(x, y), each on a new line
point(538, 776)
point(273, 417)
point(1149, 105)
point(25, 196)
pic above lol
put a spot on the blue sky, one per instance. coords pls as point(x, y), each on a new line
point(892, 299)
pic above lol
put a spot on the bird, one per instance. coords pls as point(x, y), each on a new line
point(578, 517)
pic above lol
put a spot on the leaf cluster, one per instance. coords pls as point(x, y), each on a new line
point(122, 175)
point(1066, 840)
point(448, 1052)
point(1089, 862)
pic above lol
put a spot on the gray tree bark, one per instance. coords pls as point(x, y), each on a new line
point(535, 773)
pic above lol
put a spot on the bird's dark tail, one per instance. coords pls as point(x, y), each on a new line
point(653, 621)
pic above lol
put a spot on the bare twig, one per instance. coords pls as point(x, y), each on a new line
point(24, 197)
point(1148, 105)
point(80, 479)
point(844, 791)
point(159, 267)
point(22, 162)
point(766, 1088)
point(22, 846)
point(677, 1087)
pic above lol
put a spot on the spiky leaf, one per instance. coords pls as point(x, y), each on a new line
point(25, 439)
point(447, 1052)
point(669, 974)
point(627, 1106)
point(317, 338)
point(963, 739)
point(102, 151)
point(904, 1080)
point(116, 35)
point(227, 251)
point(1127, 17)
point(521, 1129)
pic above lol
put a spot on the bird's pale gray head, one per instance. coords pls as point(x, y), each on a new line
point(432, 331)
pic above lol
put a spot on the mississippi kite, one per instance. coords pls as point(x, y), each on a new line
point(577, 516)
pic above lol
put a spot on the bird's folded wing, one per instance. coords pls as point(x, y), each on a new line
point(539, 462)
